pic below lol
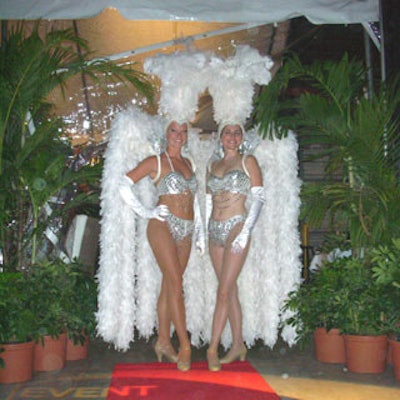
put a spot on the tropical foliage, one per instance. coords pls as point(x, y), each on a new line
point(17, 318)
point(343, 294)
point(38, 183)
point(358, 135)
point(316, 303)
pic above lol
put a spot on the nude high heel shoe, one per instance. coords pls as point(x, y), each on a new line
point(235, 354)
point(214, 364)
point(183, 363)
point(166, 351)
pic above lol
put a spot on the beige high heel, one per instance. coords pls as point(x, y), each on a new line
point(166, 351)
point(234, 354)
point(214, 364)
point(184, 365)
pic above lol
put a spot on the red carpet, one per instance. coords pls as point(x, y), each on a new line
point(162, 381)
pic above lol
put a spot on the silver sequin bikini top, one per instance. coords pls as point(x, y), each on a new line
point(175, 183)
point(235, 181)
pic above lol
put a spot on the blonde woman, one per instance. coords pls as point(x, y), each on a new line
point(171, 226)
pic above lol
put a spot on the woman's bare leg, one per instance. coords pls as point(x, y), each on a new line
point(172, 260)
point(228, 266)
point(164, 319)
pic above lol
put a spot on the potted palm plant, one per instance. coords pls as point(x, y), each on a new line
point(16, 321)
point(359, 193)
point(38, 184)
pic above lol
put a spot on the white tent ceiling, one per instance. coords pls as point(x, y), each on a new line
point(129, 31)
point(266, 11)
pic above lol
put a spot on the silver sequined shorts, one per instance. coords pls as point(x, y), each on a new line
point(180, 228)
point(218, 231)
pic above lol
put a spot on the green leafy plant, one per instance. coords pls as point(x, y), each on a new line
point(358, 136)
point(35, 171)
point(343, 294)
point(367, 306)
point(386, 271)
point(81, 304)
point(16, 316)
point(386, 263)
point(316, 303)
point(49, 286)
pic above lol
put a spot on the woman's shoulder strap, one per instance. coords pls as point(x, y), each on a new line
point(157, 177)
point(244, 165)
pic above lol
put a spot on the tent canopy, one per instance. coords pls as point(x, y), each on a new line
point(266, 11)
point(130, 31)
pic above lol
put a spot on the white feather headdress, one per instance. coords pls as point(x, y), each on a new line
point(182, 81)
point(231, 84)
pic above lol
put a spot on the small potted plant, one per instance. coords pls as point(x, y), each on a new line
point(16, 321)
point(80, 307)
point(49, 287)
point(317, 312)
point(366, 306)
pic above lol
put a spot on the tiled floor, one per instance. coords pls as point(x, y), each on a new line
point(292, 372)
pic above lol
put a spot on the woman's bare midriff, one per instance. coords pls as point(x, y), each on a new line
point(181, 205)
point(228, 205)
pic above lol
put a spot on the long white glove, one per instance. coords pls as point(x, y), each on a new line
point(200, 240)
point(209, 207)
point(257, 201)
point(127, 191)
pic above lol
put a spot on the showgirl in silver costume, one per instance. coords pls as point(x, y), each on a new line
point(169, 232)
point(230, 180)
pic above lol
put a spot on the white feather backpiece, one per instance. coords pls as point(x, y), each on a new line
point(120, 305)
point(129, 278)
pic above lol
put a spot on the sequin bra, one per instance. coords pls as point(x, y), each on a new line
point(175, 183)
point(235, 181)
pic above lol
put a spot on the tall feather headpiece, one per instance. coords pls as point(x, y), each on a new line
point(182, 81)
point(231, 84)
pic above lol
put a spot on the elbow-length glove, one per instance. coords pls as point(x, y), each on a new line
point(127, 190)
point(257, 201)
point(209, 207)
point(200, 240)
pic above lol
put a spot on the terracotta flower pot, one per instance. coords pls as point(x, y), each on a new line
point(51, 355)
point(366, 354)
point(18, 359)
point(77, 351)
point(329, 346)
point(395, 350)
